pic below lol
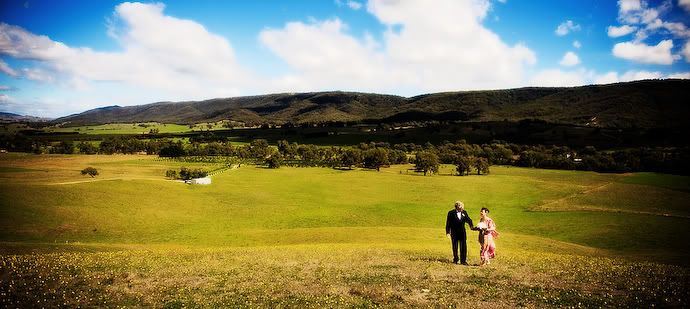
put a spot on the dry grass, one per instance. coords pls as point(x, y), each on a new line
point(334, 276)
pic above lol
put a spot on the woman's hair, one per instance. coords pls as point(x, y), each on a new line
point(485, 209)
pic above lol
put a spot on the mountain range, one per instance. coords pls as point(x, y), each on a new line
point(642, 104)
point(11, 117)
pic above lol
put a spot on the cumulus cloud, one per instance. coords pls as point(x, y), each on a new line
point(577, 44)
point(566, 27)
point(578, 77)
point(680, 75)
point(614, 77)
point(677, 29)
point(560, 78)
point(685, 4)
point(637, 15)
point(5, 68)
point(8, 103)
point(354, 5)
point(451, 50)
point(570, 59)
point(643, 53)
point(625, 6)
point(152, 55)
point(686, 51)
point(637, 11)
point(615, 32)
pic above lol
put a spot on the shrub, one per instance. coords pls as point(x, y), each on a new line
point(172, 174)
point(89, 171)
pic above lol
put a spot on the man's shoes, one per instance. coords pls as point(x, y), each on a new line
point(455, 262)
point(465, 263)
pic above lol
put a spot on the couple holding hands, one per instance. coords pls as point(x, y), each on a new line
point(455, 230)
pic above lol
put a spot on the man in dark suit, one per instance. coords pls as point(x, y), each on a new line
point(455, 230)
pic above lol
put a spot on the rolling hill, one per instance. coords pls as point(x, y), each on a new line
point(643, 104)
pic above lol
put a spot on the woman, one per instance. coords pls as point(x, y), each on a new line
point(487, 233)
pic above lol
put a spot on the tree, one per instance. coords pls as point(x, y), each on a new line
point(351, 157)
point(89, 171)
point(426, 161)
point(463, 165)
point(375, 158)
point(288, 150)
point(172, 150)
point(275, 160)
point(482, 165)
point(259, 149)
point(308, 154)
point(87, 148)
point(187, 174)
point(397, 157)
point(66, 147)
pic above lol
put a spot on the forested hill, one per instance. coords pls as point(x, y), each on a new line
point(642, 104)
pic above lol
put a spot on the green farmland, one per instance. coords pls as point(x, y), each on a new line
point(318, 237)
point(138, 128)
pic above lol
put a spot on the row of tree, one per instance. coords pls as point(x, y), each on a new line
point(467, 157)
point(186, 173)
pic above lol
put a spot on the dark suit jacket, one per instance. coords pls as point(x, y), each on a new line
point(455, 226)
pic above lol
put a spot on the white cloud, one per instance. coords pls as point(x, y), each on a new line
point(37, 74)
point(7, 88)
point(5, 68)
point(566, 27)
point(625, 6)
point(9, 104)
point(614, 77)
point(680, 75)
point(677, 29)
point(580, 76)
point(685, 4)
point(615, 32)
point(445, 49)
point(570, 59)
point(354, 5)
point(686, 51)
point(577, 44)
point(607, 78)
point(643, 53)
point(560, 78)
point(636, 12)
point(153, 56)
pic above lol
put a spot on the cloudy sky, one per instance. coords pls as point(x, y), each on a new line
point(63, 57)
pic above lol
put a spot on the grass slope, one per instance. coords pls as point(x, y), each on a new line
point(320, 237)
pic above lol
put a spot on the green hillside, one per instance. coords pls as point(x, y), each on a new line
point(644, 104)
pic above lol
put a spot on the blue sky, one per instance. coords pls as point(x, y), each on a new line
point(63, 57)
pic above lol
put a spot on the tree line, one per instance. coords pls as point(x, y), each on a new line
point(468, 158)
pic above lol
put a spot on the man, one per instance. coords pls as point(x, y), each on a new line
point(455, 230)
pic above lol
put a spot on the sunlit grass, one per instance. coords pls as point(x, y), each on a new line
point(323, 237)
point(139, 128)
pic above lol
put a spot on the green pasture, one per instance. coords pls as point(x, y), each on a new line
point(135, 128)
point(320, 237)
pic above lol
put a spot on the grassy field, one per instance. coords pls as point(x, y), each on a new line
point(321, 237)
point(135, 128)
point(121, 128)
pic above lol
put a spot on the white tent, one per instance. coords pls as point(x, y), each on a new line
point(201, 181)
